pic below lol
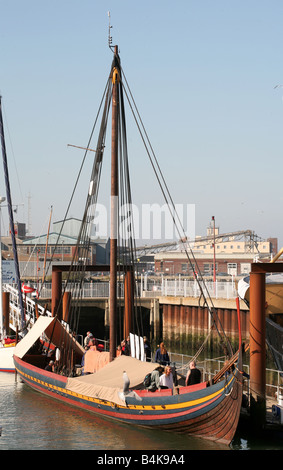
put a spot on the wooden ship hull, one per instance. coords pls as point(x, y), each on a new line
point(210, 412)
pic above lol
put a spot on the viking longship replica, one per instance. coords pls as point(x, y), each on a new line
point(115, 390)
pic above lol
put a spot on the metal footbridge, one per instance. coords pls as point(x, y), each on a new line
point(30, 307)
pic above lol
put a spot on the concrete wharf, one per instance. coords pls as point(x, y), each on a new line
point(176, 320)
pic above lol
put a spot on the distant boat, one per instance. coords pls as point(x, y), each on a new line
point(209, 409)
point(6, 359)
point(273, 293)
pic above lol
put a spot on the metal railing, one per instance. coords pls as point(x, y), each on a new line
point(177, 287)
point(15, 313)
point(185, 288)
point(209, 367)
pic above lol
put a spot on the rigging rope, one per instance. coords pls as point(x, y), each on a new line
point(168, 198)
point(127, 247)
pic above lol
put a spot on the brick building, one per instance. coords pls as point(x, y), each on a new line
point(230, 254)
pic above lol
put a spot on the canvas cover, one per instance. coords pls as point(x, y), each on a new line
point(95, 360)
point(53, 330)
point(32, 336)
point(108, 382)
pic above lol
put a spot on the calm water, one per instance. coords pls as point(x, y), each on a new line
point(32, 422)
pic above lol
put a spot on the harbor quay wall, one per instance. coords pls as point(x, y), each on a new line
point(183, 323)
point(186, 323)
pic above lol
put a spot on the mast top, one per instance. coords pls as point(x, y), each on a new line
point(113, 48)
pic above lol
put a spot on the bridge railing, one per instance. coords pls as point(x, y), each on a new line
point(158, 287)
point(154, 288)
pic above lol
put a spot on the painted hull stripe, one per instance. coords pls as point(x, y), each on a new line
point(194, 405)
point(170, 417)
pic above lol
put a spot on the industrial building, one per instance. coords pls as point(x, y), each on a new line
point(221, 254)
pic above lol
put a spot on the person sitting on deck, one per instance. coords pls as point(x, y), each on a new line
point(162, 355)
point(123, 344)
point(154, 379)
point(92, 344)
point(193, 375)
point(49, 366)
point(166, 379)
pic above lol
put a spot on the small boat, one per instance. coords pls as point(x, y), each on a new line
point(209, 409)
point(6, 359)
point(273, 293)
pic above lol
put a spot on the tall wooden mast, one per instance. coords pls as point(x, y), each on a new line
point(11, 218)
point(114, 203)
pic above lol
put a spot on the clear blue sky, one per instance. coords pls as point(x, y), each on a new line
point(203, 75)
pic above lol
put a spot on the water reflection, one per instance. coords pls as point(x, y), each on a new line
point(31, 421)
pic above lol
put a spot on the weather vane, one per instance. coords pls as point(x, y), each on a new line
point(109, 31)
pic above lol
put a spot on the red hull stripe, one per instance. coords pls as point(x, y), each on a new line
point(134, 413)
point(118, 414)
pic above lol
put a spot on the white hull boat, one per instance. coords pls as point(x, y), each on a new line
point(6, 359)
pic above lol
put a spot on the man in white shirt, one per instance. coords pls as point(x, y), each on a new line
point(166, 379)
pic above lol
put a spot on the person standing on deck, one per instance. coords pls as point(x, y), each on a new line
point(147, 349)
point(162, 355)
point(88, 337)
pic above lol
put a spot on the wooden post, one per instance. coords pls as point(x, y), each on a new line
point(66, 306)
point(257, 349)
point(56, 306)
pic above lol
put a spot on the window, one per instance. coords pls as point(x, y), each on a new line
point(206, 268)
point(232, 269)
point(209, 268)
point(245, 268)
